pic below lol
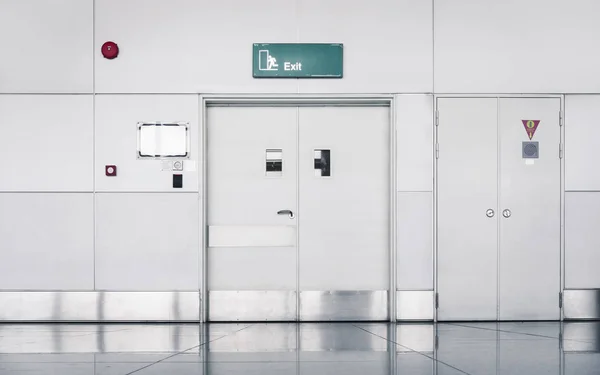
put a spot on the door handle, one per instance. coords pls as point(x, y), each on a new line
point(489, 212)
point(286, 212)
point(506, 213)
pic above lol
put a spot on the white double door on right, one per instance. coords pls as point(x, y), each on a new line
point(498, 217)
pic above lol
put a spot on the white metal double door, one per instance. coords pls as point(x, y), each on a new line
point(298, 213)
point(498, 209)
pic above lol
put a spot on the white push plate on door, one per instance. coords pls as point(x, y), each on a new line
point(251, 236)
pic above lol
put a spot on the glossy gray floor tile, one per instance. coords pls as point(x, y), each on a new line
point(302, 349)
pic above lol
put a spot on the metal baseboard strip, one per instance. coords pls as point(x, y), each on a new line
point(99, 306)
point(581, 304)
point(249, 306)
point(63, 306)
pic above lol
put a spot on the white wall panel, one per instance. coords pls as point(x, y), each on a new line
point(46, 142)
point(582, 240)
point(414, 132)
point(582, 131)
point(159, 45)
point(228, 29)
point(184, 46)
point(147, 241)
point(47, 241)
point(116, 141)
point(535, 46)
point(415, 241)
point(47, 46)
point(388, 45)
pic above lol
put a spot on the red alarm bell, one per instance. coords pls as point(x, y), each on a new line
point(110, 170)
point(110, 50)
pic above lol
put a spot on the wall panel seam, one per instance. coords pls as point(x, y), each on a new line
point(94, 136)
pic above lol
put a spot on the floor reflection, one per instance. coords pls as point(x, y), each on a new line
point(303, 349)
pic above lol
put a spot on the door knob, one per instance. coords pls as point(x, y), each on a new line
point(489, 213)
point(286, 212)
point(506, 213)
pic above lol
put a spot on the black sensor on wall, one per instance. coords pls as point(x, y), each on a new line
point(177, 180)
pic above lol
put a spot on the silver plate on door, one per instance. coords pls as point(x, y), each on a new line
point(582, 303)
point(344, 305)
point(414, 305)
point(251, 305)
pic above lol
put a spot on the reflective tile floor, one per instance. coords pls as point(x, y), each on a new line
point(307, 349)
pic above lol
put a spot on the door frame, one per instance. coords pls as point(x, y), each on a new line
point(257, 100)
point(562, 184)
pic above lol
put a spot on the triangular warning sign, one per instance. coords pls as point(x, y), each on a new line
point(531, 126)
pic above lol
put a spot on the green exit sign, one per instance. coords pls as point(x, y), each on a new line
point(300, 60)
